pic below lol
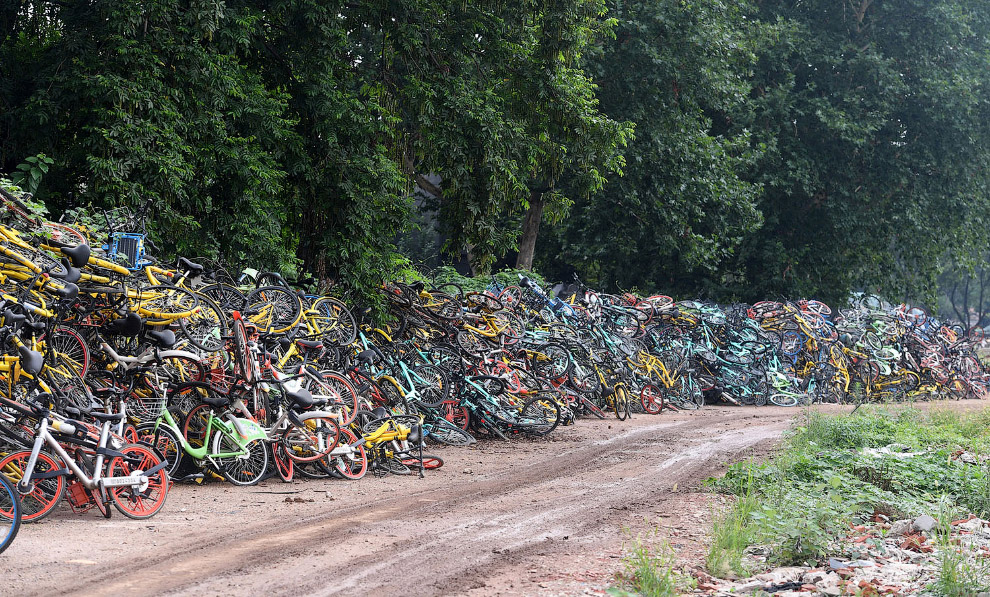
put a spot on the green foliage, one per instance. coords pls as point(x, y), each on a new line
point(30, 172)
point(681, 208)
point(649, 571)
point(35, 207)
point(780, 148)
point(961, 576)
point(508, 277)
point(872, 116)
point(824, 479)
point(732, 533)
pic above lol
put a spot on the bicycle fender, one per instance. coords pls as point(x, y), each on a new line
point(246, 431)
point(178, 353)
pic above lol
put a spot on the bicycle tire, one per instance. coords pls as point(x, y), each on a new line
point(544, 413)
point(592, 407)
point(278, 309)
point(228, 297)
point(206, 328)
point(353, 466)
point(284, 466)
point(337, 324)
point(168, 445)
point(652, 399)
point(10, 504)
point(781, 399)
point(70, 347)
point(620, 402)
point(313, 441)
point(431, 384)
point(246, 469)
point(339, 393)
point(181, 369)
point(161, 304)
point(447, 433)
point(427, 462)
point(45, 494)
point(142, 502)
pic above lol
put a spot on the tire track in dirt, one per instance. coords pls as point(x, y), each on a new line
point(452, 533)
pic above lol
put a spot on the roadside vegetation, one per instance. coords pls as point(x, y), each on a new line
point(837, 472)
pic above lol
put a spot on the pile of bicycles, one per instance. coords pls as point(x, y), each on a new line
point(120, 375)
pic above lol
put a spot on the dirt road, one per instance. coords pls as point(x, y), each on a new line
point(521, 518)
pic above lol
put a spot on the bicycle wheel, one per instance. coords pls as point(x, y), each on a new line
point(249, 464)
point(312, 441)
point(620, 402)
point(353, 465)
point(206, 328)
point(194, 425)
point(339, 394)
point(512, 328)
point(652, 399)
point(781, 399)
point(584, 379)
point(274, 309)
point(445, 432)
point(143, 500)
point(591, 407)
point(427, 462)
point(283, 464)
point(540, 416)
point(163, 303)
point(225, 295)
point(552, 361)
point(430, 383)
point(336, 323)
point(180, 369)
point(164, 440)
point(10, 511)
point(455, 413)
point(44, 494)
point(70, 348)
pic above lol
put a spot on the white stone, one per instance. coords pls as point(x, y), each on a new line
point(899, 527)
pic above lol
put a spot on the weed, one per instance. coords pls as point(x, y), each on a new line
point(829, 475)
point(650, 572)
point(961, 573)
point(731, 535)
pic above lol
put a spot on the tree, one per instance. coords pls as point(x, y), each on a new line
point(681, 208)
point(875, 116)
point(143, 105)
point(494, 104)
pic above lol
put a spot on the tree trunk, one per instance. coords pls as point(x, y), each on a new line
point(530, 229)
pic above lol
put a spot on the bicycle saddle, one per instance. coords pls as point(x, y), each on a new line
point(367, 357)
point(128, 325)
point(215, 400)
point(301, 398)
point(194, 269)
point(31, 360)
point(305, 345)
point(72, 274)
point(113, 417)
point(79, 254)
point(414, 436)
point(69, 291)
point(164, 338)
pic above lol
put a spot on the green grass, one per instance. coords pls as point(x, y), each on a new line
point(731, 535)
point(799, 502)
point(649, 571)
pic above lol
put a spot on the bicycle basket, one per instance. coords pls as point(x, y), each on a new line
point(145, 408)
point(131, 246)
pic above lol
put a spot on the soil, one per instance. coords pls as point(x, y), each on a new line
point(529, 517)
